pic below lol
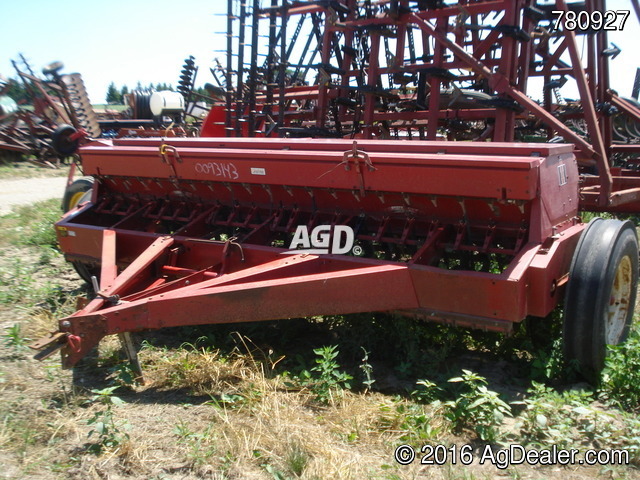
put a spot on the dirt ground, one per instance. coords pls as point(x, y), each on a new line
point(26, 191)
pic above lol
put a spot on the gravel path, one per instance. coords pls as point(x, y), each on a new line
point(24, 191)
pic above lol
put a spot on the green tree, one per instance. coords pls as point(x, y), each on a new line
point(113, 95)
point(17, 91)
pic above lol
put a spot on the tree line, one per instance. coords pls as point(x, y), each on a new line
point(15, 89)
point(116, 95)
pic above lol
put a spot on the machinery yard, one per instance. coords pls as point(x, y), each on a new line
point(382, 242)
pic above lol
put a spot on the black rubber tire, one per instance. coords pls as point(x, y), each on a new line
point(71, 194)
point(71, 198)
point(601, 293)
point(53, 68)
point(61, 141)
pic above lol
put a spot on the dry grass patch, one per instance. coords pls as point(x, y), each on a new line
point(204, 371)
point(256, 425)
point(35, 419)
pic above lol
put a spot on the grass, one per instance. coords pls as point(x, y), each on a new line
point(105, 106)
point(32, 266)
point(319, 398)
point(31, 225)
point(15, 169)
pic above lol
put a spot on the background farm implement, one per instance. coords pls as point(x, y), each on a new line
point(462, 192)
point(58, 117)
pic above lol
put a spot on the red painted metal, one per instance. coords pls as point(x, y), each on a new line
point(160, 205)
point(477, 233)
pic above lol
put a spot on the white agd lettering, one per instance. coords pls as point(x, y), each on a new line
point(349, 237)
point(320, 236)
point(300, 238)
point(321, 240)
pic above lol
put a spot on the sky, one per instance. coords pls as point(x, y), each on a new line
point(120, 41)
point(147, 41)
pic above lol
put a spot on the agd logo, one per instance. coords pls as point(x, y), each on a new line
point(337, 239)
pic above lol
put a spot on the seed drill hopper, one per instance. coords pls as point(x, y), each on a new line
point(407, 122)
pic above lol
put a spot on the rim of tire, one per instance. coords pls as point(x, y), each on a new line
point(75, 199)
point(618, 308)
point(76, 193)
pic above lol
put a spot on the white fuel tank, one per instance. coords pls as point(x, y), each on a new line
point(166, 102)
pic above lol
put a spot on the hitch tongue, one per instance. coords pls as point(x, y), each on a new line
point(49, 345)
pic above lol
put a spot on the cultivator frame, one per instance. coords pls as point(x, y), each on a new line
point(60, 115)
point(465, 78)
point(475, 233)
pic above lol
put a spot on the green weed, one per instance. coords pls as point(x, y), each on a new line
point(296, 458)
point(27, 285)
point(620, 381)
point(325, 377)
point(477, 407)
point(199, 446)
point(415, 423)
point(32, 225)
point(275, 473)
point(544, 420)
point(42, 232)
point(225, 400)
point(559, 418)
point(16, 282)
point(15, 338)
point(426, 392)
point(548, 364)
point(110, 433)
point(122, 374)
point(15, 166)
point(367, 371)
